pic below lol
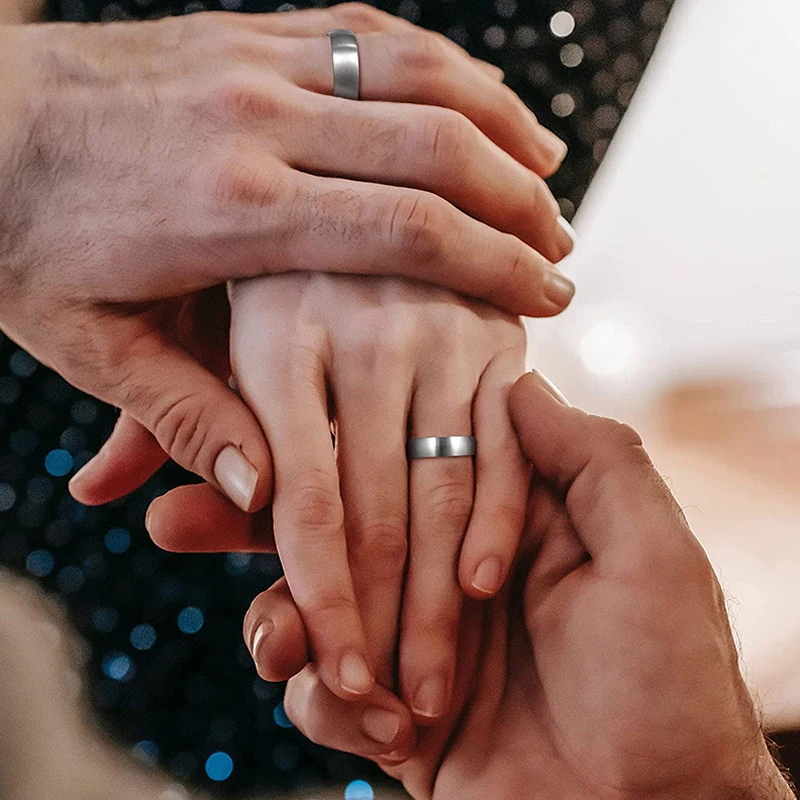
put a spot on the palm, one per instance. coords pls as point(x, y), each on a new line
point(590, 688)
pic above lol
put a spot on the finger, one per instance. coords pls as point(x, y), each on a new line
point(371, 427)
point(501, 484)
point(129, 457)
point(194, 416)
point(284, 384)
point(434, 149)
point(198, 519)
point(441, 495)
point(369, 727)
point(418, 67)
point(617, 502)
point(358, 17)
point(353, 227)
point(275, 634)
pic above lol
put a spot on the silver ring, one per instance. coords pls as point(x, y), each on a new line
point(346, 69)
point(441, 447)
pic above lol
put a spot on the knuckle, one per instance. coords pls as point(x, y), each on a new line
point(359, 15)
point(238, 183)
point(448, 137)
point(451, 502)
point(381, 545)
point(183, 427)
point(245, 101)
point(416, 227)
point(618, 436)
point(314, 502)
point(420, 54)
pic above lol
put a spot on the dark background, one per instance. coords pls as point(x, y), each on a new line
point(169, 675)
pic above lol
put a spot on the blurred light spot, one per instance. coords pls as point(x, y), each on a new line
point(505, 8)
point(23, 442)
point(606, 117)
point(22, 364)
point(525, 36)
point(105, 619)
point(279, 715)
point(562, 24)
point(7, 497)
point(117, 541)
point(143, 637)
point(495, 37)
point(219, 766)
point(607, 348)
point(118, 667)
point(571, 55)
point(563, 104)
point(39, 489)
point(40, 563)
point(191, 619)
point(58, 463)
point(84, 412)
point(458, 34)
point(286, 756)
point(237, 563)
point(146, 752)
point(567, 207)
point(9, 391)
point(70, 579)
point(359, 790)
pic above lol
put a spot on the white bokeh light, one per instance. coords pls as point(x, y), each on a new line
point(608, 348)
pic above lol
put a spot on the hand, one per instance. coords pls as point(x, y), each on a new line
point(144, 161)
point(608, 670)
point(382, 358)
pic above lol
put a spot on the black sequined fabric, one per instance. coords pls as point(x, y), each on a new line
point(169, 675)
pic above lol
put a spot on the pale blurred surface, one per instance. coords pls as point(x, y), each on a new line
point(687, 320)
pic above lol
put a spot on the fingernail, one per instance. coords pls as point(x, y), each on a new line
point(381, 725)
point(549, 387)
point(568, 229)
point(237, 476)
point(429, 700)
point(355, 675)
point(558, 288)
point(262, 631)
point(488, 576)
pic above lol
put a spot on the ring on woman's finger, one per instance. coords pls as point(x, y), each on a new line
point(441, 447)
point(346, 64)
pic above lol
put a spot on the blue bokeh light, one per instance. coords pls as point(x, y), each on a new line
point(143, 637)
point(191, 619)
point(117, 541)
point(40, 563)
point(359, 790)
point(279, 715)
point(219, 766)
point(146, 751)
point(118, 667)
point(58, 463)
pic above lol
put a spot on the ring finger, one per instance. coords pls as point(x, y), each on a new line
point(441, 497)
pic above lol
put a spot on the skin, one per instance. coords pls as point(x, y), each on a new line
point(606, 671)
point(218, 118)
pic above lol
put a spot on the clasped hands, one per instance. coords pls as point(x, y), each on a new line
point(424, 622)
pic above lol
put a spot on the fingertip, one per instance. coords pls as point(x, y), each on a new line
point(484, 579)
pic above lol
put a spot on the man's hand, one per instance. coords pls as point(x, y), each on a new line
point(143, 161)
point(607, 672)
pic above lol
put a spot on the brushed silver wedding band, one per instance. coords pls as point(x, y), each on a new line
point(346, 67)
point(442, 447)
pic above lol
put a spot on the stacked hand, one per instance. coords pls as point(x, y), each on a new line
point(606, 671)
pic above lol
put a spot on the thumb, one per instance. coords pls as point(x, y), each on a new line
point(617, 503)
point(191, 415)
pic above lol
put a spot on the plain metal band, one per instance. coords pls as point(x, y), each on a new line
point(346, 77)
point(442, 447)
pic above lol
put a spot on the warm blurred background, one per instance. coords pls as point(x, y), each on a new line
point(686, 323)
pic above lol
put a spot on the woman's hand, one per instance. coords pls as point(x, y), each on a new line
point(606, 672)
point(383, 359)
point(142, 161)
